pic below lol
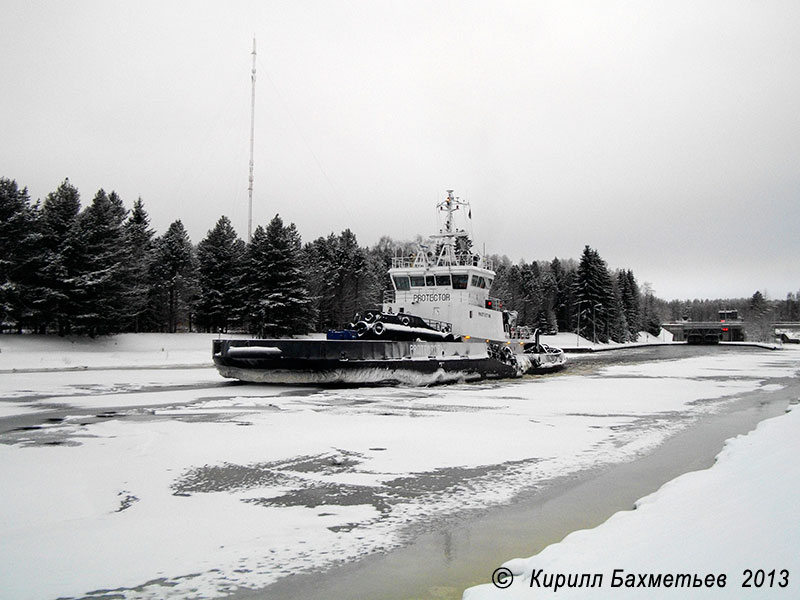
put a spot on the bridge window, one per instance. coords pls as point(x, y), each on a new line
point(401, 283)
point(430, 280)
point(443, 280)
point(460, 282)
point(417, 281)
point(478, 282)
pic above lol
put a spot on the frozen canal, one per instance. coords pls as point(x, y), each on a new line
point(148, 483)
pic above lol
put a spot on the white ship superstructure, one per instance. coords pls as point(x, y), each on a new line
point(448, 282)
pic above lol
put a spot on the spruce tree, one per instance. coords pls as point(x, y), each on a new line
point(631, 301)
point(593, 295)
point(381, 255)
point(531, 307)
point(172, 272)
point(19, 255)
point(618, 330)
point(509, 286)
point(560, 286)
point(345, 278)
point(102, 265)
point(277, 298)
point(760, 318)
point(548, 320)
point(319, 258)
point(138, 238)
point(219, 258)
point(57, 279)
point(354, 284)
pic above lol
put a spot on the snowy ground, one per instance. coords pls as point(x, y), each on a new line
point(173, 482)
point(141, 350)
point(571, 341)
point(738, 519)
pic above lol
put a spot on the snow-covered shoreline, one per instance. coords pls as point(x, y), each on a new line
point(39, 353)
point(737, 521)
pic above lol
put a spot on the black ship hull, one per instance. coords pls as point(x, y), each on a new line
point(316, 361)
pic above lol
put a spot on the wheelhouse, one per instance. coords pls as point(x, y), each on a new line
point(447, 281)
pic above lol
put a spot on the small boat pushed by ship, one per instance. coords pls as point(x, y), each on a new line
point(438, 324)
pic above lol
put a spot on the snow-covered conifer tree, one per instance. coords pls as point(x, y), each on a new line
point(617, 323)
point(138, 239)
point(101, 266)
point(354, 283)
point(278, 301)
point(19, 250)
point(548, 320)
point(57, 279)
point(319, 259)
point(593, 294)
point(631, 301)
point(173, 273)
point(219, 259)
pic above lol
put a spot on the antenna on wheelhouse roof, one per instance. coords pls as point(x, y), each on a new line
point(252, 132)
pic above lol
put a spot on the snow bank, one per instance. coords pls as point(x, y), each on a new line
point(566, 340)
point(739, 515)
point(663, 336)
point(573, 341)
point(38, 352)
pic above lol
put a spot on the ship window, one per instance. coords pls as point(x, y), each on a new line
point(489, 281)
point(460, 282)
point(430, 280)
point(417, 281)
point(443, 280)
point(474, 281)
point(401, 282)
point(478, 282)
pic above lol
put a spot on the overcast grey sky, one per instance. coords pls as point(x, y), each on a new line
point(664, 134)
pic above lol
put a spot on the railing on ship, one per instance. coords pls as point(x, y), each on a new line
point(458, 260)
point(440, 326)
point(520, 333)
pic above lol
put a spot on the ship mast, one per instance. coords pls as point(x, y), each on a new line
point(449, 205)
point(448, 234)
point(252, 134)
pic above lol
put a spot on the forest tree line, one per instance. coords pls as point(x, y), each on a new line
point(101, 269)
